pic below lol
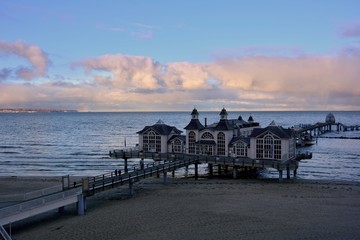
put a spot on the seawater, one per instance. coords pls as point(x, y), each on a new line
point(78, 144)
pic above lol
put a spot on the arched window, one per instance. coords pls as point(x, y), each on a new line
point(177, 146)
point(221, 144)
point(192, 139)
point(152, 142)
point(268, 147)
point(240, 149)
point(207, 135)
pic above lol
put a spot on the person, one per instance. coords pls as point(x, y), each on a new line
point(116, 172)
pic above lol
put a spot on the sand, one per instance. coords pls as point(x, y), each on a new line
point(206, 209)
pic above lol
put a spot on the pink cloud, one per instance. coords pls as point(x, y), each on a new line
point(123, 72)
point(119, 82)
point(36, 57)
point(352, 29)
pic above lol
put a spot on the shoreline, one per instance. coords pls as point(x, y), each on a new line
point(213, 208)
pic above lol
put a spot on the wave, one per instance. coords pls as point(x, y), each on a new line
point(8, 152)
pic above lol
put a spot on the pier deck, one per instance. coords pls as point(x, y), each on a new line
point(163, 163)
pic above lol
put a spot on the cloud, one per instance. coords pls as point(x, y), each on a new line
point(4, 74)
point(121, 82)
point(123, 72)
point(275, 82)
point(36, 57)
point(185, 76)
point(351, 29)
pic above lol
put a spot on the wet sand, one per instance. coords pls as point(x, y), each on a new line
point(204, 209)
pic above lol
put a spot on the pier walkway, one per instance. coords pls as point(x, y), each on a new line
point(163, 163)
point(39, 205)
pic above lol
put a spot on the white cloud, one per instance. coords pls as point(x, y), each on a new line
point(36, 57)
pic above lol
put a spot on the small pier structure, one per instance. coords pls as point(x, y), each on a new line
point(317, 129)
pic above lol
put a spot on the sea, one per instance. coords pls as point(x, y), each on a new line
point(78, 143)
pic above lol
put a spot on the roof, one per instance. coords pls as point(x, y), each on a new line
point(224, 125)
point(181, 137)
point(161, 129)
point(240, 138)
point(194, 112)
point(223, 112)
point(194, 125)
point(276, 130)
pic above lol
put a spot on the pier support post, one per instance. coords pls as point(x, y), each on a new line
point(125, 165)
point(280, 175)
point(131, 188)
point(142, 164)
point(211, 170)
point(196, 171)
point(165, 178)
point(61, 209)
point(234, 173)
point(173, 173)
point(81, 205)
point(288, 172)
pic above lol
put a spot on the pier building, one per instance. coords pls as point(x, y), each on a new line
point(228, 137)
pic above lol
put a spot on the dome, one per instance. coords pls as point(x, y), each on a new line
point(330, 118)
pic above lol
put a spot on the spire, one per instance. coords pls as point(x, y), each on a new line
point(160, 122)
point(223, 114)
point(194, 114)
point(273, 123)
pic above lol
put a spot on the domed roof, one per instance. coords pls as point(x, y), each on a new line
point(194, 112)
point(223, 112)
point(330, 118)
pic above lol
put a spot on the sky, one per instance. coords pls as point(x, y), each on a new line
point(160, 55)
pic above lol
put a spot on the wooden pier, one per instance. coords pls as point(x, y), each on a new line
point(162, 165)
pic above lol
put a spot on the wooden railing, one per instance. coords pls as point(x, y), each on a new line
point(91, 185)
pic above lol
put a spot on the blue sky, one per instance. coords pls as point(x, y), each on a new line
point(173, 55)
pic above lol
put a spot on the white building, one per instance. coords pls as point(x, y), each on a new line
point(228, 137)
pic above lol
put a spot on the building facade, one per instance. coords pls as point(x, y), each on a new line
point(228, 137)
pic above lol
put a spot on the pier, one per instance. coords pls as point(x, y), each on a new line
point(162, 165)
point(306, 132)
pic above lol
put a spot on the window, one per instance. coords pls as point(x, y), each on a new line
point(240, 149)
point(152, 142)
point(268, 147)
point(177, 146)
point(207, 135)
point(192, 139)
point(221, 144)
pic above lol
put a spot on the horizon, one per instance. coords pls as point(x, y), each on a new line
point(169, 56)
point(170, 111)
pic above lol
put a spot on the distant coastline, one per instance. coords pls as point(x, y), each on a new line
point(31, 110)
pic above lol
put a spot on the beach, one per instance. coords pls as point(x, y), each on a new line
point(215, 208)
